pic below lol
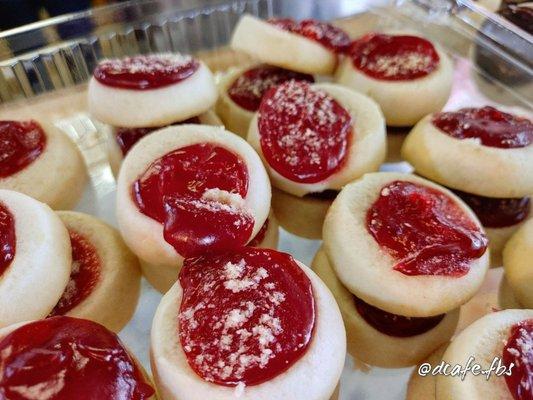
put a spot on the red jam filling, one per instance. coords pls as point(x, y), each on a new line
point(395, 325)
point(327, 35)
point(86, 266)
point(63, 358)
point(8, 238)
point(492, 127)
point(258, 239)
point(21, 142)
point(248, 89)
point(304, 132)
point(496, 212)
point(246, 316)
point(394, 57)
point(182, 191)
point(127, 137)
point(143, 72)
point(425, 230)
point(519, 351)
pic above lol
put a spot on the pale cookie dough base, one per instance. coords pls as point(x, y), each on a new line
point(506, 297)
point(371, 346)
point(424, 387)
point(57, 177)
point(498, 238)
point(113, 301)
point(301, 216)
point(324, 357)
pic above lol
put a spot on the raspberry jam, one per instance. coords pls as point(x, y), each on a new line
point(63, 358)
point(327, 35)
point(127, 137)
point(86, 266)
point(192, 191)
point(21, 142)
point(519, 351)
point(304, 132)
point(246, 316)
point(258, 239)
point(424, 230)
point(497, 212)
point(144, 72)
point(394, 57)
point(248, 89)
point(8, 239)
point(492, 127)
point(395, 325)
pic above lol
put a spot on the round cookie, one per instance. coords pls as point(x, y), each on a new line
point(268, 235)
point(83, 360)
point(378, 234)
point(190, 184)
point(424, 387)
point(308, 46)
point(394, 67)
point(506, 298)
point(482, 151)
point(105, 280)
point(368, 343)
point(269, 367)
point(517, 257)
point(154, 81)
point(42, 162)
point(506, 335)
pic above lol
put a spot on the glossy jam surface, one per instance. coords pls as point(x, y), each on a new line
point(395, 325)
point(8, 239)
point(63, 358)
point(497, 212)
point(304, 132)
point(144, 72)
point(246, 316)
point(85, 274)
point(195, 193)
point(519, 351)
point(492, 127)
point(327, 35)
point(394, 57)
point(127, 137)
point(248, 89)
point(256, 241)
point(21, 142)
point(425, 230)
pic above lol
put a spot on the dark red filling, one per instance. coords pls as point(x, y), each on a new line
point(395, 325)
point(86, 266)
point(143, 72)
point(394, 57)
point(519, 351)
point(260, 235)
point(327, 35)
point(127, 137)
point(181, 190)
point(63, 358)
point(304, 132)
point(21, 142)
point(492, 127)
point(497, 212)
point(425, 230)
point(8, 239)
point(245, 316)
point(248, 89)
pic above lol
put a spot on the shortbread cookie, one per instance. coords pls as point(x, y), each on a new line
point(105, 279)
point(424, 387)
point(42, 162)
point(407, 75)
point(35, 258)
point(227, 329)
point(308, 46)
point(186, 190)
point(150, 90)
point(410, 236)
point(65, 358)
point(504, 336)
point(483, 151)
point(506, 297)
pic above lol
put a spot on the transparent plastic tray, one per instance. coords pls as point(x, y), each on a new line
point(44, 67)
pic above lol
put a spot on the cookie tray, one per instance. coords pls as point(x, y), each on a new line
point(44, 67)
